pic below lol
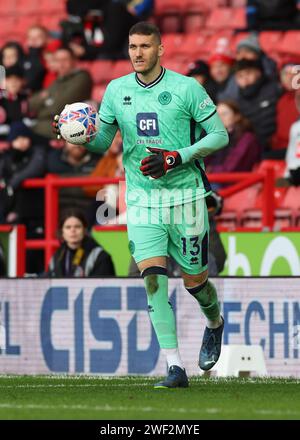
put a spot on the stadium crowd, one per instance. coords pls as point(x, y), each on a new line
point(255, 95)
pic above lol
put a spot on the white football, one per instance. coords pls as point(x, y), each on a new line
point(79, 123)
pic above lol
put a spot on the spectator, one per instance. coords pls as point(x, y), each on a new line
point(22, 161)
point(292, 158)
point(243, 151)
point(11, 54)
point(200, 71)
point(50, 62)
point(79, 255)
point(13, 100)
point(249, 49)
point(284, 118)
point(273, 14)
point(220, 66)
point(37, 38)
point(71, 85)
point(100, 29)
point(257, 99)
point(72, 160)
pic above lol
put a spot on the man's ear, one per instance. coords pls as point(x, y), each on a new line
point(161, 50)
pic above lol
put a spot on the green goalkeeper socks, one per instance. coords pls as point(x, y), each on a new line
point(207, 297)
point(159, 307)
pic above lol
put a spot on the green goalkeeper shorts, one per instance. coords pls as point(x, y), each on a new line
point(179, 231)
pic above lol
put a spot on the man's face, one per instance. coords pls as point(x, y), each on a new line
point(287, 75)
point(65, 64)
point(220, 71)
point(14, 84)
point(144, 52)
point(21, 143)
point(9, 56)
point(247, 77)
point(36, 38)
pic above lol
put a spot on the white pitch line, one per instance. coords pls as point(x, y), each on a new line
point(109, 408)
point(63, 385)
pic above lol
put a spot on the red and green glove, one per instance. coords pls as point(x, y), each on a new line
point(160, 162)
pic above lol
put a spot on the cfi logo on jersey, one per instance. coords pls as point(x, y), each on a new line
point(165, 98)
point(147, 124)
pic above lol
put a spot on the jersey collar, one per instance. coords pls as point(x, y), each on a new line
point(153, 83)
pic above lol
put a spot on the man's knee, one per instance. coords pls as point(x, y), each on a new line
point(150, 275)
point(191, 281)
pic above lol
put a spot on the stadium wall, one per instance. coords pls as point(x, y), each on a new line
point(88, 326)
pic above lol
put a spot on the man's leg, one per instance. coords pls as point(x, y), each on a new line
point(162, 317)
point(189, 241)
point(205, 293)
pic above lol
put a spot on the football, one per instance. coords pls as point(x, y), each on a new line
point(78, 123)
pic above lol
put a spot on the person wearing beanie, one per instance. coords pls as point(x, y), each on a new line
point(220, 66)
point(199, 70)
point(250, 49)
point(257, 98)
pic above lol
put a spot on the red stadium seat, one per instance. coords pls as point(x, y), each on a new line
point(220, 18)
point(27, 7)
point(49, 6)
point(25, 21)
point(7, 8)
point(101, 71)
point(120, 68)
point(228, 220)
point(177, 66)
point(172, 43)
point(292, 198)
point(192, 47)
point(290, 43)
point(163, 7)
point(277, 165)
point(7, 24)
point(194, 17)
point(168, 14)
point(269, 40)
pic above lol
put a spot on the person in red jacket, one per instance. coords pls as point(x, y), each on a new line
point(287, 112)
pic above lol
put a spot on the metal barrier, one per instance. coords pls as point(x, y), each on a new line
point(51, 184)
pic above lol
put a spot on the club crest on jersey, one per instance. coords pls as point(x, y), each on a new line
point(165, 98)
point(147, 124)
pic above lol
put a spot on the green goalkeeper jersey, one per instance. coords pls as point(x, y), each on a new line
point(167, 113)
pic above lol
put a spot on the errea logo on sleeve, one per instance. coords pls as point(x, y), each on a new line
point(207, 101)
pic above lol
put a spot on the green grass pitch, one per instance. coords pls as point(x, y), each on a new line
point(133, 398)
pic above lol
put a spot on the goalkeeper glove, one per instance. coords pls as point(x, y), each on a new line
point(55, 127)
point(160, 162)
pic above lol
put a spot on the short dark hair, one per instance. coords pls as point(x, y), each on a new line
point(145, 28)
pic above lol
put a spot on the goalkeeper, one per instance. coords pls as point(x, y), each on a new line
point(166, 186)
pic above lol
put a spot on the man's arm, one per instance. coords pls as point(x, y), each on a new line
point(216, 138)
point(104, 138)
